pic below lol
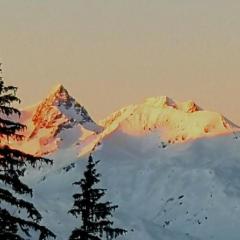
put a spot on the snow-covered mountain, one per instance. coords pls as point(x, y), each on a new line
point(177, 121)
point(60, 121)
point(172, 121)
point(57, 122)
point(172, 167)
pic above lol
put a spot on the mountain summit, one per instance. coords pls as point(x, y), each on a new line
point(58, 121)
point(60, 105)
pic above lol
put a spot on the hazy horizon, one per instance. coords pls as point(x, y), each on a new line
point(111, 54)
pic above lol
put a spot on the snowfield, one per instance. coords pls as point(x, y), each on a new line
point(182, 191)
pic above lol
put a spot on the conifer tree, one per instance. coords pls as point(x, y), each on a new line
point(13, 164)
point(95, 215)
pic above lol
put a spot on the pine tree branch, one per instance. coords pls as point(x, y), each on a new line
point(25, 225)
point(10, 236)
point(6, 196)
point(18, 155)
point(16, 184)
point(78, 234)
point(114, 232)
point(8, 99)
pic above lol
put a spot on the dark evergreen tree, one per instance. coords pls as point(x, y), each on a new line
point(95, 215)
point(13, 164)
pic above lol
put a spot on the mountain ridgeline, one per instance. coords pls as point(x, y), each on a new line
point(60, 121)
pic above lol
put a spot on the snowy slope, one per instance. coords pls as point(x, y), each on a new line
point(183, 191)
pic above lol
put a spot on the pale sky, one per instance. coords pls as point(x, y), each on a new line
point(111, 53)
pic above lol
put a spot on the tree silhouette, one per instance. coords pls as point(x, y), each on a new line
point(13, 164)
point(95, 215)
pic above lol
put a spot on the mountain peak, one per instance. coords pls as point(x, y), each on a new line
point(162, 101)
point(58, 113)
point(59, 92)
point(61, 103)
point(166, 102)
point(59, 88)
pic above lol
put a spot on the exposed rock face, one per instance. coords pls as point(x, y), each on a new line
point(60, 111)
